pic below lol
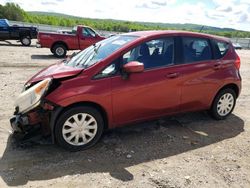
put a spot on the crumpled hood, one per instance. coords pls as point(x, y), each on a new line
point(59, 70)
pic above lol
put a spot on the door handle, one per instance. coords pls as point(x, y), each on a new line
point(172, 75)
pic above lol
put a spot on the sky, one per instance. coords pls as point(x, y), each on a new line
point(219, 13)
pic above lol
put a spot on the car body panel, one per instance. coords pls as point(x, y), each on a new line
point(79, 90)
point(150, 94)
point(59, 70)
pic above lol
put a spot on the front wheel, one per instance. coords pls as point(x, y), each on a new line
point(79, 128)
point(26, 41)
point(223, 104)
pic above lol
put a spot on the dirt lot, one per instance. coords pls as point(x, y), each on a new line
point(189, 150)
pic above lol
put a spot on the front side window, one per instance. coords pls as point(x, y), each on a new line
point(99, 51)
point(110, 70)
point(87, 32)
point(196, 49)
point(154, 53)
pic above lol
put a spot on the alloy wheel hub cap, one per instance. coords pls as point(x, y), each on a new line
point(79, 129)
point(26, 41)
point(225, 104)
point(59, 51)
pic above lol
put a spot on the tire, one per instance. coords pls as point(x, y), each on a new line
point(223, 104)
point(59, 50)
point(71, 133)
point(25, 40)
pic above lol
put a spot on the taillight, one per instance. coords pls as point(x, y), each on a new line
point(237, 62)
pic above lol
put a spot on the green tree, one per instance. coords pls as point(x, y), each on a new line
point(12, 11)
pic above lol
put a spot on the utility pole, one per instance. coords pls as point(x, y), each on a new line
point(201, 29)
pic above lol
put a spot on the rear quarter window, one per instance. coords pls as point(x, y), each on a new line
point(220, 49)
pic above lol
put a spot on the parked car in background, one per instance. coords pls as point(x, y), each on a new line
point(15, 32)
point(80, 38)
point(237, 46)
point(126, 79)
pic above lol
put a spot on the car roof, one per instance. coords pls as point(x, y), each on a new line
point(175, 32)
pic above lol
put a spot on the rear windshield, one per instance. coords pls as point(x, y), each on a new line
point(221, 49)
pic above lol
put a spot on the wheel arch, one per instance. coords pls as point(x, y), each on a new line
point(24, 34)
point(59, 42)
point(232, 86)
point(213, 106)
point(60, 110)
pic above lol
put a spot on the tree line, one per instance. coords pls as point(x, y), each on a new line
point(14, 12)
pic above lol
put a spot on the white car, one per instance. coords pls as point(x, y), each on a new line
point(237, 46)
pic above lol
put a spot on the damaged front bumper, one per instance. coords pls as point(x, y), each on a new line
point(31, 124)
point(18, 123)
point(32, 112)
point(23, 123)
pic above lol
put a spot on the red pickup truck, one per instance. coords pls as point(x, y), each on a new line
point(78, 39)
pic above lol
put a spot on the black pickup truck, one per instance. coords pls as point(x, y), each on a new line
point(24, 34)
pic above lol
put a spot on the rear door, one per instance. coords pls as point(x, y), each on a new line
point(198, 72)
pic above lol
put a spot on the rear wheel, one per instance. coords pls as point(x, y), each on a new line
point(25, 40)
point(79, 128)
point(223, 104)
point(59, 50)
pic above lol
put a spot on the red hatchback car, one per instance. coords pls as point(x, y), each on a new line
point(129, 78)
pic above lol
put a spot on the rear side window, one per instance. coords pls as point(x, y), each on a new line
point(196, 49)
point(221, 49)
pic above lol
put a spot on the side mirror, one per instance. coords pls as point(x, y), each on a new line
point(133, 67)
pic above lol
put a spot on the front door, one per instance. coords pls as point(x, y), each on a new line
point(87, 38)
point(151, 93)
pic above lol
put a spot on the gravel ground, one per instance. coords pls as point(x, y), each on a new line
point(188, 150)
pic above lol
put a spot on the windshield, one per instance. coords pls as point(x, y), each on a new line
point(99, 51)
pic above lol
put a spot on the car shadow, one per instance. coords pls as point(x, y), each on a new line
point(8, 43)
point(118, 149)
point(45, 57)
